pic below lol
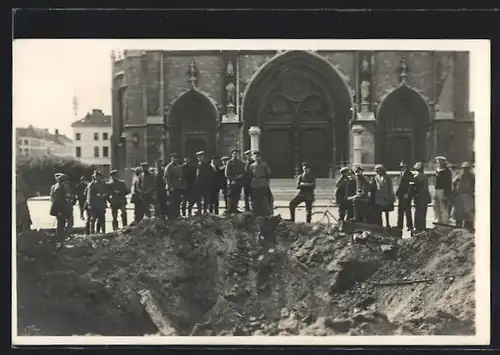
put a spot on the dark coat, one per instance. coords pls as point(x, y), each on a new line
point(117, 193)
point(204, 176)
point(406, 185)
point(189, 171)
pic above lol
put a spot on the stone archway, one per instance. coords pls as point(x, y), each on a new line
point(402, 124)
point(191, 124)
point(303, 107)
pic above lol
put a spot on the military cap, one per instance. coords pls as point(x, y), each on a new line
point(440, 158)
point(402, 164)
point(224, 158)
point(358, 168)
point(344, 170)
point(201, 152)
point(234, 151)
point(247, 152)
point(113, 172)
point(144, 164)
point(418, 165)
point(465, 164)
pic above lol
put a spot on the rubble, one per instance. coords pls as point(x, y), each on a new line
point(241, 275)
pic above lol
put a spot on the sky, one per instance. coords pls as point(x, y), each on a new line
point(49, 72)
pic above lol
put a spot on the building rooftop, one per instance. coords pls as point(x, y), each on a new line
point(42, 133)
point(94, 119)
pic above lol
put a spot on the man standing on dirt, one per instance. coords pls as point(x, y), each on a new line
point(350, 191)
point(404, 193)
point(117, 197)
point(383, 196)
point(217, 184)
point(422, 197)
point(260, 176)
point(361, 198)
point(147, 187)
point(174, 179)
point(80, 195)
point(136, 197)
point(464, 191)
point(96, 203)
point(161, 193)
point(306, 184)
point(224, 161)
point(235, 170)
point(189, 195)
point(247, 179)
point(341, 192)
point(442, 191)
point(204, 179)
point(61, 205)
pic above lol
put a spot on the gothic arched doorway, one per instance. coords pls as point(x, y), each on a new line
point(192, 124)
point(303, 107)
point(402, 123)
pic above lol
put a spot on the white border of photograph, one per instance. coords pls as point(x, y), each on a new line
point(480, 96)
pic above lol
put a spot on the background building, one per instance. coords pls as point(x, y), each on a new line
point(327, 107)
point(38, 142)
point(92, 140)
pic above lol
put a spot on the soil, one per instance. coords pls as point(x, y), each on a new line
point(238, 275)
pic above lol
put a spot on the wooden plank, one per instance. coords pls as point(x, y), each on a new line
point(351, 227)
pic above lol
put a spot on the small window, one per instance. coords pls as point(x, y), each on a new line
point(105, 152)
point(96, 136)
point(78, 137)
point(78, 152)
point(96, 152)
point(105, 136)
point(26, 142)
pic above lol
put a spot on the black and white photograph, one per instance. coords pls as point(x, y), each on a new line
point(251, 192)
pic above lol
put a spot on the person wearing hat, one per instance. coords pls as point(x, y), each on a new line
point(422, 197)
point(117, 197)
point(404, 193)
point(340, 192)
point(62, 201)
point(350, 190)
point(23, 218)
point(217, 184)
point(147, 189)
point(361, 198)
point(189, 193)
point(175, 184)
point(161, 192)
point(204, 181)
point(260, 175)
point(97, 203)
point(135, 196)
point(80, 191)
point(247, 179)
point(235, 171)
point(306, 184)
point(383, 196)
point(224, 161)
point(464, 197)
point(442, 191)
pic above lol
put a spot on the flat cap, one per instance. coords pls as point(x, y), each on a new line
point(138, 170)
point(418, 165)
point(234, 151)
point(465, 164)
point(113, 172)
point(380, 167)
point(201, 152)
point(144, 164)
point(97, 173)
point(248, 152)
point(358, 168)
point(440, 158)
point(344, 170)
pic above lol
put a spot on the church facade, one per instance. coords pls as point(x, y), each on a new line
point(328, 108)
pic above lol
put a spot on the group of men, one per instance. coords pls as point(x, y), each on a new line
point(363, 200)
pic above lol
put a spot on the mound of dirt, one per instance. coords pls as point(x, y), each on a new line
point(239, 275)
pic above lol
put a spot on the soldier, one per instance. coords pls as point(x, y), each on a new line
point(147, 189)
point(464, 195)
point(174, 178)
point(442, 191)
point(306, 184)
point(217, 184)
point(404, 193)
point(361, 198)
point(341, 192)
point(80, 195)
point(204, 178)
point(383, 196)
point(247, 179)
point(422, 197)
point(235, 170)
point(61, 205)
point(260, 175)
point(136, 197)
point(189, 195)
point(96, 203)
point(117, 197)
point(161, 194)
point(224, 161)
point(23, 218)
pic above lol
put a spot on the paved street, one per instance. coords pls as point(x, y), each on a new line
point(39, 210)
